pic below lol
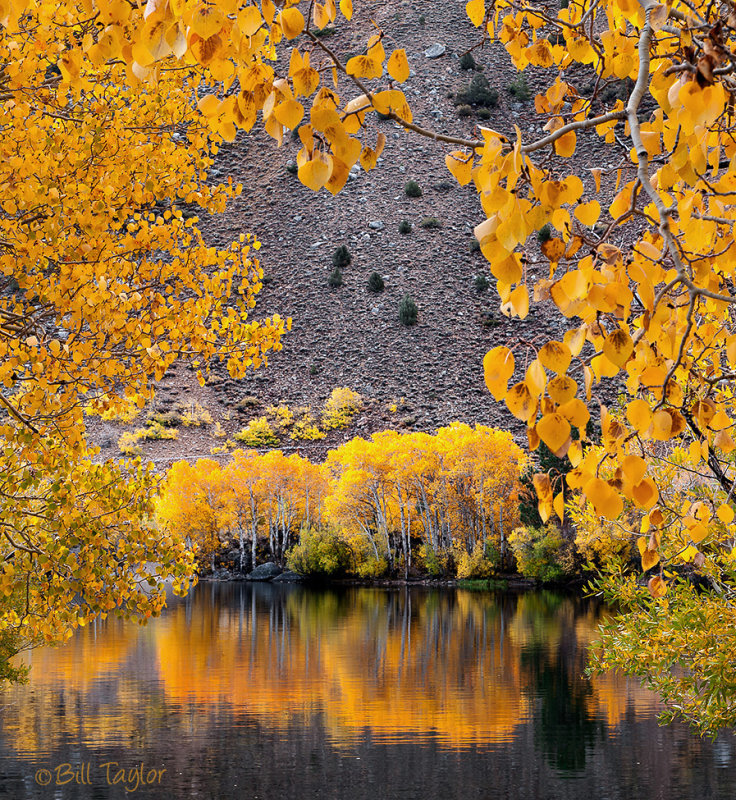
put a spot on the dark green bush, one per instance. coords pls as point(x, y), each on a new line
point(167, 419)
point(479, 93)
point(292, 168)
point(430, 223)
point(474, 246)
point(544, 234)
point(375, 283)
point(519, 89)
point(335, 278)
point(412, 189)
point(408, 311)
point(341, 257)
point(481, 283)
point(467, 61)
point(405, 226)
point(464, 111)
point(483, 113)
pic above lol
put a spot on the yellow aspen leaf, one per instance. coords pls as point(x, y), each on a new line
point(661, 426)
point(606, 501)
point(207, 21)
point(561, 389)
point(657, 587)
point(596, 172)
point(346, 7)
point(519, 301)
point(697, 532)
point(476, 11)
point(725, 514)
point(398, 66)
point(618, 347)
point(575, 453)
point(507, 270)
point(209, 105)
point(553, 430)
point(532, 438)
point(461, 166)
point(645, 494)
point(559, 506)
point(555, 356)
point(364, 67)
point(639, 415)
point(535, 378)
point(316, 172)
point(634, 467)
point(520, 402)
point(498, 367)
point(320, 15)
point(649, 559)
point(338, 177)
point(565, 145)
point(205, 50)
point(289, 113)
point(292, 22)
point(576, 412)
point(249, 20)
point(588, 213)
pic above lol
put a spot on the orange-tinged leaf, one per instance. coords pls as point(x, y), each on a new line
point(249, 20)
point(657, 587)
point(697, 532)
point(649, 559)
point(555, 356)
point(606, 501)
point(519, 301)
point(398, 66)
point(535, 378)
point(346, 7)
point(565, 145)
point(542, 486)
point(645, 494)
point(553, 249)
point(316, 172)
point(553, 430)
point(661, 426)
point(725, 514)
point(207, 21)
point(576, 412)
point(508, 270)
point(618, 347)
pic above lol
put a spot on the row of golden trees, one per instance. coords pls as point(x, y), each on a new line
point(388, 500)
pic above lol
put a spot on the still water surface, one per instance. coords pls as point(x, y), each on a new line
point(267, 691)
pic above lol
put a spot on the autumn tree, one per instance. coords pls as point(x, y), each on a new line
point(105, 283)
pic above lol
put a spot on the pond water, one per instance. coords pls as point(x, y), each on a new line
point(267, 691)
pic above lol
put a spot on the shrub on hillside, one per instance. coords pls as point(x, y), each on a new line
point(257, 433)
point(542, 553)
point(478, 93)
point(412, 189)
point(341, 257)
point(408, 311)
point(375, 283)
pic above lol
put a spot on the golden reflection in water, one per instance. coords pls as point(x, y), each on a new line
point(465, 668)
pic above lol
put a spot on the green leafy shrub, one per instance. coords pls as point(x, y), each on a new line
point(481, 563)
point(481, 283)
point(341, 258)
point(168, 419)
point(464, 110)
point(408, 311)
point(258, 433)
point(483, 113)
point(375, 283)
point(542, 553)
point(474, 246)
point(412, 189)
point(430, 223)
point(519, 89)
point(478, 93)
point(405, 225)
point(438, 563)
point(320, 553)
point(467, 61)
point(292, 168)
point(335, 278)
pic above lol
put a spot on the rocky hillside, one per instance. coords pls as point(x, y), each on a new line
point(420, 377)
